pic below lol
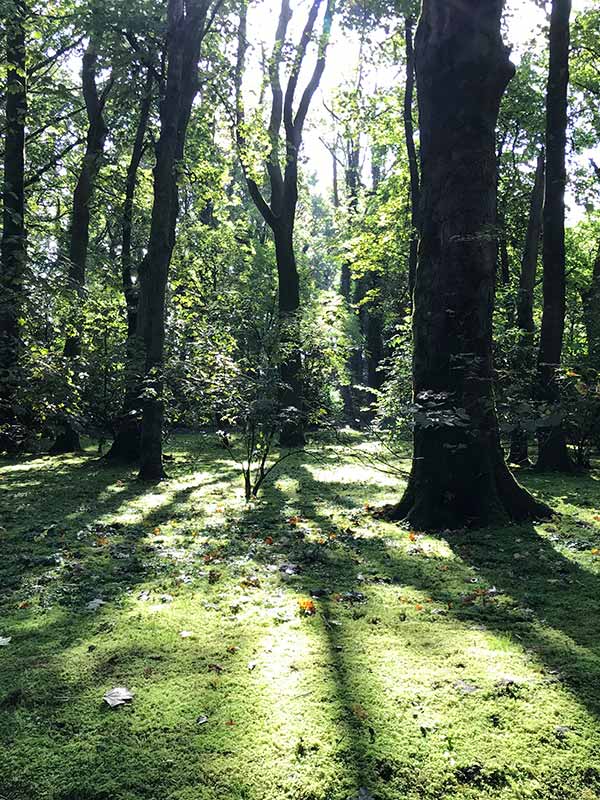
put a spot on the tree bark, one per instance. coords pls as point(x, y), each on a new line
point(591, 313)
point(187, 26)
point(13, 247)
point(413, 165)
point(458, 475)
point(553, 454)
point(519, 444)
point(68, 440)
point(126, 445)
point(280, 212)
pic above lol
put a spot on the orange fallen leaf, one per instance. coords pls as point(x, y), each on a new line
point(307, 607)
point(102, 541)
point(156, 531)
point(412, 536)
point(268, 540)
point(595, 551)
point(419, 607)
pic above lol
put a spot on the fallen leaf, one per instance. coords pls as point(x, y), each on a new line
point(4, 640)
point(201, 720)
point(251, 582)
point(118, 696)
point(186, 634)
point(268, 540)
point(307, 607)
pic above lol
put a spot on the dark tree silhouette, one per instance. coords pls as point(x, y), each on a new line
point(458, 475)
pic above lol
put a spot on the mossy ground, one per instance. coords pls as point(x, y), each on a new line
point(463, 665)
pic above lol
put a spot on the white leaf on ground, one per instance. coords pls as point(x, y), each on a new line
point(251, 665)
point(185, 634)
point(118, 696)
point(202, 720)
point(4, 640)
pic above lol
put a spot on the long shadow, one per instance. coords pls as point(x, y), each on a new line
point(550, 606)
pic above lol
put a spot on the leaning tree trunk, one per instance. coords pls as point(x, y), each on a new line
point(126, 445)
point(519, 445)
point(553, 454)
point(458, 475)
point(13, 250)
point(67, 440)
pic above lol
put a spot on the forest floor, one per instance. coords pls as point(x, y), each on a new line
point(296, 648)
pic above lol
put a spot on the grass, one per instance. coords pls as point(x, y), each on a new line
point(463, 665)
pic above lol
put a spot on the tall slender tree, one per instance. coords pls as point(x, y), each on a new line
point(279, 211)
point(126, 445)
point(519, 444)
point(187, 26)
point(458, 475)
point(67, 440)
point(413, 164)
point(553, 454)
point(13, 247)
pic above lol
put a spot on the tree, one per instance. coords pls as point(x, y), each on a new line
point(413, 165)
point(126, 445)
point(187, 26)
point(458, 474)
point(13, 248)
point(67, 440)
point(519, 450)
point(553, 454)
point(280, 211)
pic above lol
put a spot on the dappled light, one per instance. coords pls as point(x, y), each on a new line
point(293, 646)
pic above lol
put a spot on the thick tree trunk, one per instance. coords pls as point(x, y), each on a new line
point(68, 440)
point(126, 445)
point(458, 476)
point(519, 444)
point(553, 454)
point(13, 248)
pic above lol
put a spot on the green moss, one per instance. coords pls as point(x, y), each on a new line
point(464, 665)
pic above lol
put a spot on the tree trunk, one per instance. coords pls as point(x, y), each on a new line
point(413, 166)
point(519, 444)
point(290, 396)
point(126, 445)
point(187, 26)
point(68, 440)
point(374, 331)
point(591, 312)
point(553, 454)
point(458, 475)
point(13, 248)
